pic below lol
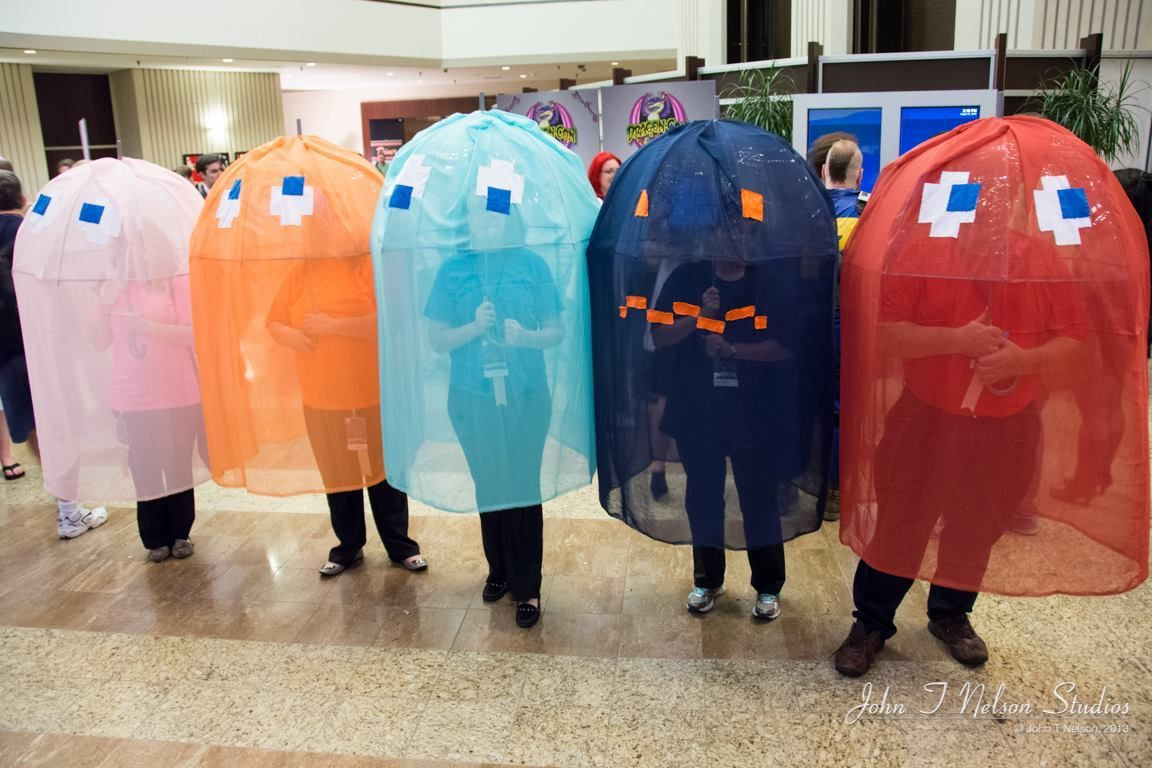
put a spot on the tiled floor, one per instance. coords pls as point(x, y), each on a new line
point(242, 656)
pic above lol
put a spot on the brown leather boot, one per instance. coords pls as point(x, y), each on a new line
point(854, 657)
point(965, 645)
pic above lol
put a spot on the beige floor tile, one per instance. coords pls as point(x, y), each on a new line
point(569, 682)
point(130, 753)
point(400, 673)
point(428, 628)
point(472, 731)
point(362, 725)
point(237, 662)
point(586, 594)
point(568, 736)
point(13, 745)
point(652, 738)
point(54, 751)
point(666, 637)
point(576, 634)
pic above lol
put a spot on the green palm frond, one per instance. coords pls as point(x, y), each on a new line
point(758, 104)
point(1100, 115)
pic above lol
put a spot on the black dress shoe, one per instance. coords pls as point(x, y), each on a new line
point(494, 590)
point(527, 615)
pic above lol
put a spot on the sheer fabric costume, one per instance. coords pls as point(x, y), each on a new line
point(479, 245)
point(101, 272)
point(711, 271)
point(285, 320)
point(1016, 225)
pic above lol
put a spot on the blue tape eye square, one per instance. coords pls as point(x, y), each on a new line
point(41, 205)
point(499, 200)
point(401, 197)
point(963, 197)
point(293, 186)
point(234, 190)
point(1073, 203)
point(91, 213)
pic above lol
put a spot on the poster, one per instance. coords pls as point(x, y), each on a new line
point(636, 114)
point(570, 117)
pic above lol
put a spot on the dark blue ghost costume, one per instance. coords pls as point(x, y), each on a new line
point(723, 205)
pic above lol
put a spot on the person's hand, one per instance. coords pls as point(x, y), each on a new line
point(716, 347)
point(711, 301)
point(515, 334)
point(294, 338)
point(1008, 362)
point(485, 316)
point(978, 338)
point(318, 324)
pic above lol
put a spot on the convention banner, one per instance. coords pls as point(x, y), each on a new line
point(570, 117)
point(636, 114)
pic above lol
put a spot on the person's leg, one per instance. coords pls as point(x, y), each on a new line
point(327, 436)
point(390, 511)
point(7, 459)
point(522, 531)
point(183, 514)
point(492, 537)
point(346, 511)
point(877, 595)
point(154, 524)
point(705, 470)
point(753, 470)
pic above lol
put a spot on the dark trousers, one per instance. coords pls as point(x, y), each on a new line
point(514, 546)
point(504, 448)
point(767, 568)
point(705, 459)
point(389, 510)
point(341, 467)
point(877, 596)
point(931, 465)
point(162, 521)
point(161, 448)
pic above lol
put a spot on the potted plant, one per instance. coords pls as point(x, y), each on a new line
point(757, 104)
point(1101, 115)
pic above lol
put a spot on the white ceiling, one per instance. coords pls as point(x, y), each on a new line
point(303, 75)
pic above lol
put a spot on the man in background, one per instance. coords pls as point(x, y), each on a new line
point(210, 167)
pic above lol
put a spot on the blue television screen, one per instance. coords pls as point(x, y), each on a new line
point(918, 124)
point(863, 123)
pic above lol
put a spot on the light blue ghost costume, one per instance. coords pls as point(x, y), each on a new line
point(485, 208)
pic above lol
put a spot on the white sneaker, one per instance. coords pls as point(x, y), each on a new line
point(767, 607)
point(81, 521)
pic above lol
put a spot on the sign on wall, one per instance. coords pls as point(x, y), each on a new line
point(634, 115)
point(570, 117)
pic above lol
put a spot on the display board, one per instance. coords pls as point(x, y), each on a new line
point(633, 115)
point(570, 117)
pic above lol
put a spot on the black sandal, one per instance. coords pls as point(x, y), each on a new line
point(494, 590)
point(10, 471)
point(527, 615)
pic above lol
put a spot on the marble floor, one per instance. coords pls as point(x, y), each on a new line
point(243, 656)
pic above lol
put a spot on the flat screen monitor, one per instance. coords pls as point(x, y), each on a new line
point(918, 124)
point(862, 122)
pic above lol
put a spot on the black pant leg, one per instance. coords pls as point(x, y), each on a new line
point(492, 536)
point(390, 511)
point(346, 510)
point(523, 534)
point(768, 571)
point(182, 513)
point(945, 601)
point(877, 596)
point(708, 567)
point(153, 521)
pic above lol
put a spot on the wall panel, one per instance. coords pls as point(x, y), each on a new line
point(21, 140)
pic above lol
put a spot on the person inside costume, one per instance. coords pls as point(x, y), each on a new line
point(997, 272)
point(325, 312)
point(494, 313)
point(154, 392)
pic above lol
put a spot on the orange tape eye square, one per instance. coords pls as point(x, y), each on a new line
point(685, 309)
point(623, 311)
point(752, 204)
point(636, 302)
point(663, 318)
point(642, 204)
point(761, 322)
